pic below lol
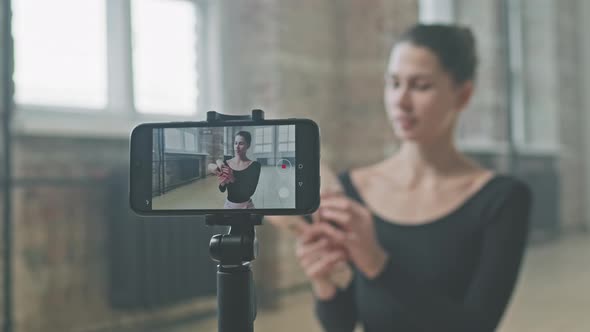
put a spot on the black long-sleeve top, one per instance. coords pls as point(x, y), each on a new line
point(244, 185)
point(455, 274)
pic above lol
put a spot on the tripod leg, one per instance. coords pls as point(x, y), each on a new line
point(236, 302)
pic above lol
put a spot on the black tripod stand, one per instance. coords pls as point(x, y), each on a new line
point(236, 297)
point(235, 251)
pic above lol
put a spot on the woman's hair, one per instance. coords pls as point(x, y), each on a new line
point(454, 46)
point(246, 135)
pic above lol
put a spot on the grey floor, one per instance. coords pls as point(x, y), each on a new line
point(204, 194)
point(553, 295)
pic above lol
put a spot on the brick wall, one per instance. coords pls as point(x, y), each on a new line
point(323, 60)
point(61, 277)
point(319, 59)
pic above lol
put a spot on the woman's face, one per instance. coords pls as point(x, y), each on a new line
point(421, 98)
point(240, 145)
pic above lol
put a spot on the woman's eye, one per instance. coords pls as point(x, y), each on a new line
point(393, 84)
point(422, 86)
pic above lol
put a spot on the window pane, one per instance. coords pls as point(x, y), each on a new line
point(267, 148)
point(291, 133)
point(60, 53)
point(165, 56)
point(268, 131)
point(283, 147)
point(267, 139)
point(189, 142)
point(283, 135)
point(291, 146)
point(172, 139)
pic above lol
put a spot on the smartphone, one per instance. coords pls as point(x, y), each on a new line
point(268, 167)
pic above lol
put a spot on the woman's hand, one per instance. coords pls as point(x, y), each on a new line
point(354, 231)
point(319, 257)
point(225, 176)
point(213, 169)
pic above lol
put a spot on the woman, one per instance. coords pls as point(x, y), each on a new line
point(434, 240)
point(239, 175)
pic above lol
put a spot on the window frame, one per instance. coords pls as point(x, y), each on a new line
point(262, 145)
point(117, 119)
point(290, 141)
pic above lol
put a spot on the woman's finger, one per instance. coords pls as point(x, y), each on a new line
point(333, 233)
point(327, 194)
point(302, 252)
point(339, 202)
point(341, 218)
point(315, 217)
point(309, 234)
point(325, 264)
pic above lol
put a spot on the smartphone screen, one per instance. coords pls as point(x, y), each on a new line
point(271, 167)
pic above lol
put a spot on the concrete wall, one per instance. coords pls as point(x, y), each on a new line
point(553, 90)
point(582, 16)
point(570, 89)
point(484, 121)
point(4, 65)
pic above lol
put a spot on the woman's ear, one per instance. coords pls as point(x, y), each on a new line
point(464, 93)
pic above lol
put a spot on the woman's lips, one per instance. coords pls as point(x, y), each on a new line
point(405, 122)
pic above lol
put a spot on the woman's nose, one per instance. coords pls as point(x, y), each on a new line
point(402, 99)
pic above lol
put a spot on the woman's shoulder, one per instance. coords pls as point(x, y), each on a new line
point(254, 166)
point(508, 186)
point(363, 176)
point(354, 179)
point(502, 192)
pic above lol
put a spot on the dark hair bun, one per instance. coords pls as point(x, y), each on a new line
point(454, 45)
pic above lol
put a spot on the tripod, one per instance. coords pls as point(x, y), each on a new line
point(236, 297)
point(234, 252)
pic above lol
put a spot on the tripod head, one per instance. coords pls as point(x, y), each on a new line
point(240, 245)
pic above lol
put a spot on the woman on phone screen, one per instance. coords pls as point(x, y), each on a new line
point(239, 175)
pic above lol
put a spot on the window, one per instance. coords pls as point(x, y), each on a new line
point(173, 139)
point(436, 11)
point(60, 53)
point(165, 56)
point(181, 140)
point(109, 63)
point(286, 138)
point(189, 141)
point(263, 140)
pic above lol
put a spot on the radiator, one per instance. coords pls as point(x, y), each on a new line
point(156, 261)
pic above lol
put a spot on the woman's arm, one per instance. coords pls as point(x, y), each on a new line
point(250, 182)
point(491, 288)
point(337, 314)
